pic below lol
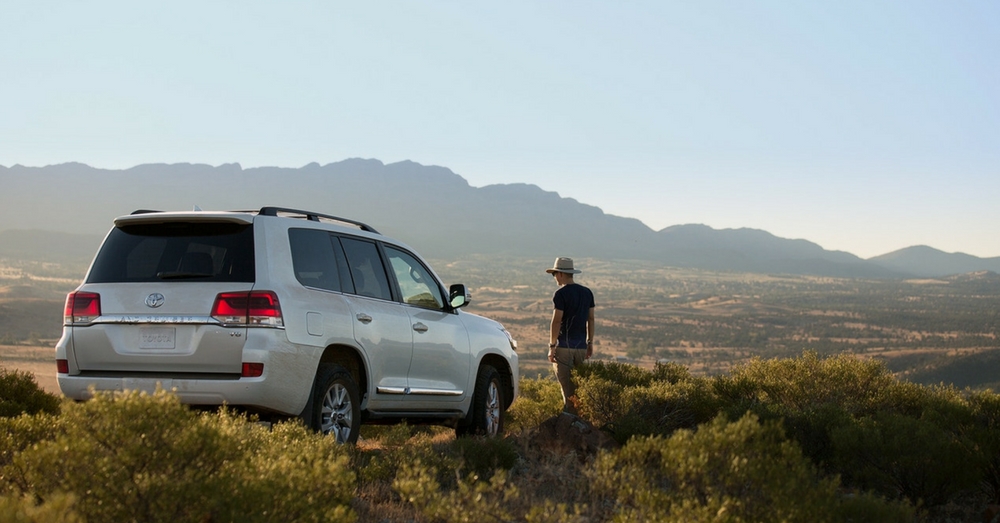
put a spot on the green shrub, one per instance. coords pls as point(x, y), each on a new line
point(867, 507)
point(672, 373)
point(139, 457)
point(539, 400)
point(16, 435)
point(624, 374)
point(658, 408)
point(815, 397)
point(984, 434)
point(287, 474)
point(58, 509)
point(741, 471)
point(485, 455)
point(601, 400)
point(399, 445)
point(132, 458)
point(468, 502)
point(901, 456)
point(20, 394)
point(790, 385)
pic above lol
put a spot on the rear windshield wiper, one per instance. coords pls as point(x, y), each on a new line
point(179, 275)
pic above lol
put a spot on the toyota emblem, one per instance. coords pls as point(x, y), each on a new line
point(154, 300)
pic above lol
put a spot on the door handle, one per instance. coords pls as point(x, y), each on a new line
point(419, 327)
point(364, 318)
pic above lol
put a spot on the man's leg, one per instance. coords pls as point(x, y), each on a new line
point(564, 373)
point(566, 360)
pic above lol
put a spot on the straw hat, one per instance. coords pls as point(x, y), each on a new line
point(563, 265)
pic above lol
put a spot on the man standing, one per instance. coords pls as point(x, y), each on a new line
point(571, 334)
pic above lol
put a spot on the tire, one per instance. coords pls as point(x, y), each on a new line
point(336, 404)
point(487, 412)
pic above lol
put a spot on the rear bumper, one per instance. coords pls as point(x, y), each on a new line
point(249, 392)
point(284, 387)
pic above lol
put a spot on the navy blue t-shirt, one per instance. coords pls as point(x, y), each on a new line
point(575, 301)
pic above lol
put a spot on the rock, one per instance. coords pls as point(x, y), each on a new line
point(568, 433)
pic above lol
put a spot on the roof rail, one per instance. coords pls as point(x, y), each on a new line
point(314, 216)
point(143, 211)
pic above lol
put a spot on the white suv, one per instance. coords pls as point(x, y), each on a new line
point(284, 312)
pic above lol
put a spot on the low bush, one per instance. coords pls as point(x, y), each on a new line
point(740, 471)
point(984, 433)
point(648, 403)
point(483, 456)
point(539, 400)
point(903, 457)
point(388, 448)
point(24, 509)
point(468, 502)
point(623, 374)
point(851, 417)
point(671, 372)
point(799, 384)
point(138, 457)
point(20, 394)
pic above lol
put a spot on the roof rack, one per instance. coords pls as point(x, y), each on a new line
point(315, 216)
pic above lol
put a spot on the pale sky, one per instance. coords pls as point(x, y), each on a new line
point(862, 126)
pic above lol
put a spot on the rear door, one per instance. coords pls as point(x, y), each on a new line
point(157, 279)
point(381, 325)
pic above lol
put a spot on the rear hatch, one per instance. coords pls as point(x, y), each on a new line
point(167, 294)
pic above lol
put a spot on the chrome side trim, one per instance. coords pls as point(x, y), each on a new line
point(436, 392)
point(390, 390)
point(418, 392)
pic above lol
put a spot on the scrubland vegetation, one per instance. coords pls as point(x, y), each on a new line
point(808, 438)
point(782, 398)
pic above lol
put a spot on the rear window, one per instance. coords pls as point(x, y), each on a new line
point(204, 252)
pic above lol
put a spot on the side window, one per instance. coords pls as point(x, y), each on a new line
point(416, 285)
point(313, 259)
point(366, 268)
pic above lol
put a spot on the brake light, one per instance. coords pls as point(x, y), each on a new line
point(81, 308)
point(252, 370)
point(62, 366)
point(256, 308)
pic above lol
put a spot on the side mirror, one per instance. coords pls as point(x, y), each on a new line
point(458, 296)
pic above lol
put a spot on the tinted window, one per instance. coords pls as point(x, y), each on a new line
point(313, 259)
point(416, 285)
point(216, 252)
point(366, 269)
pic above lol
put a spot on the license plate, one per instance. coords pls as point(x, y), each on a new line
point(156, 338)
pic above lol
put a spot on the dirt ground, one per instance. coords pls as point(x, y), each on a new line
point(39, 361)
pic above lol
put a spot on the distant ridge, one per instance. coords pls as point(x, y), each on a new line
point(928, 262)
point(430, 207)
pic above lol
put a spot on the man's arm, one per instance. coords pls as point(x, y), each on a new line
point(554, 333)
point(590, 333)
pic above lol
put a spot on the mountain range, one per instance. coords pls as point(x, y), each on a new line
point(429, 207)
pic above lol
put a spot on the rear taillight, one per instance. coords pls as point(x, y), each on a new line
point(256, 308)
point(81, 308)
point(62, 366)
point(252, 370)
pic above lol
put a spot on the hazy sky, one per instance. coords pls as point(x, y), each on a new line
point(862, 126)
